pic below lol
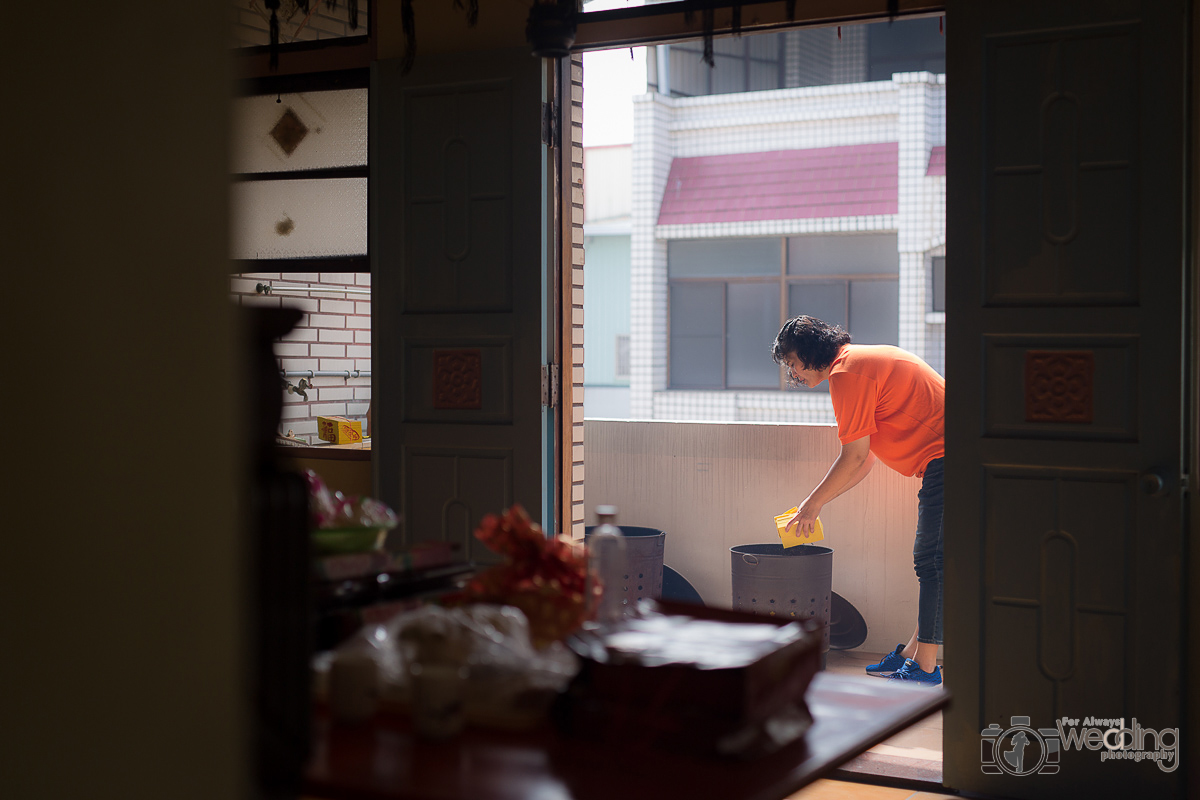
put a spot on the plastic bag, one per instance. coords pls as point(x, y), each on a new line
point(507, 682)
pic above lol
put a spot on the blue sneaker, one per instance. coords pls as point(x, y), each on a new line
point(912, 673)
point(890, 663)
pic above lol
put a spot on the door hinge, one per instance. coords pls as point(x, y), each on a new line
point(1184, 482)
point(550, 385)
point(549, 124)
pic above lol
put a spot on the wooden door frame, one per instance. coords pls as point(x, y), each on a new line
point(1191, 464)
point(563, 284)
point(668, 22)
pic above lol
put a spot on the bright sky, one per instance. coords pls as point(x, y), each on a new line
point(610, 80)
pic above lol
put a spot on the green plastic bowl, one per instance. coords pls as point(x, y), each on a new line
point(332, 541)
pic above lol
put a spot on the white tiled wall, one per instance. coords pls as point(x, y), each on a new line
point(333, 334)
point(652, 153)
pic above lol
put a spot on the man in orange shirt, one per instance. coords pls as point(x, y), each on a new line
point(889, 405)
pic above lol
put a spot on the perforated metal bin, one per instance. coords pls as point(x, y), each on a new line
point(644, 557)
point(772, 580)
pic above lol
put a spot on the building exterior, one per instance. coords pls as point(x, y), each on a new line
point(606, 233)
point(800, 175)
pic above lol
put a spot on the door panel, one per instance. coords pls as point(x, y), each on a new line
point(1040, 387)
point(1065, 145)
point(458, 269)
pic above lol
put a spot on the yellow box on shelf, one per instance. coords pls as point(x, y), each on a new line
point(339, 430)
point(794, 537)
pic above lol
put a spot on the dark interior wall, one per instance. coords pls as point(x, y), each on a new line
point(120, 579)
point(442, 28)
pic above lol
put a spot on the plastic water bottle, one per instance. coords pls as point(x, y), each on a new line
point(608, 564)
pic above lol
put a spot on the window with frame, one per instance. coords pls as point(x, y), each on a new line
point(320, 21)
point(938, 271)
point(740, 64)
point(622, 352)
point(728, 299)
point(803, 57)
point(300, 176)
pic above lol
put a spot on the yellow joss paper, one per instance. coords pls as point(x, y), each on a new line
point(794, 537)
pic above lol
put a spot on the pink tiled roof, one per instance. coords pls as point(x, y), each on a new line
point(937, 161)
point(784, 184)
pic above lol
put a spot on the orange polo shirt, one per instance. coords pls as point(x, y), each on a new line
point(895, 398)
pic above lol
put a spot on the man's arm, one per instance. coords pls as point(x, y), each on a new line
point(851, 466)
point(862, 473)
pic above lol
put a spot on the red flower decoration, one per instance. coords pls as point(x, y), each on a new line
point(544, 577)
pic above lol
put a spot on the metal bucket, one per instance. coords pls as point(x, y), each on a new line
point(775, 581)
point(644, 560)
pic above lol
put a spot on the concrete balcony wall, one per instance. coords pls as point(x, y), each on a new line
point(714, 486)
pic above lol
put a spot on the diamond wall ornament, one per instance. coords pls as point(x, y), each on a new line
point(289, 131)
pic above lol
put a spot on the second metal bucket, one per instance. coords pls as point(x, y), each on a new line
point(644, 559)
point(775, 581)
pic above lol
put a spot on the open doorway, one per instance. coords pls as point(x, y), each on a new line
point(804, 172)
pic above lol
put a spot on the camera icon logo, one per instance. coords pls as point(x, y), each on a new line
point(1019, 750)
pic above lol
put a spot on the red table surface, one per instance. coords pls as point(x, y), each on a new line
point(384, 760)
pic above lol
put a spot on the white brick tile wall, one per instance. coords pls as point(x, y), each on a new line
point(326, 321)
point(291, 364)
point(302, 303)
point(329, 409)
point(291, 412)
point(334, 335)
point(301, 335)
point(242, 285)
point(291, 349)
point(337, 306)
point(302, 427)
point(262, 301)
point(319, 340)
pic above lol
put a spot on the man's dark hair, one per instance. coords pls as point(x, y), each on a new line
point(814, 342)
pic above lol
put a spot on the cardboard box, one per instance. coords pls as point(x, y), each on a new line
point(339, 430)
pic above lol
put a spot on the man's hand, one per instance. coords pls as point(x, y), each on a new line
point(851, 466)
point(805, 518)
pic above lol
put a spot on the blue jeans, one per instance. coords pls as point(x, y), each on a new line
point(927, 554)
